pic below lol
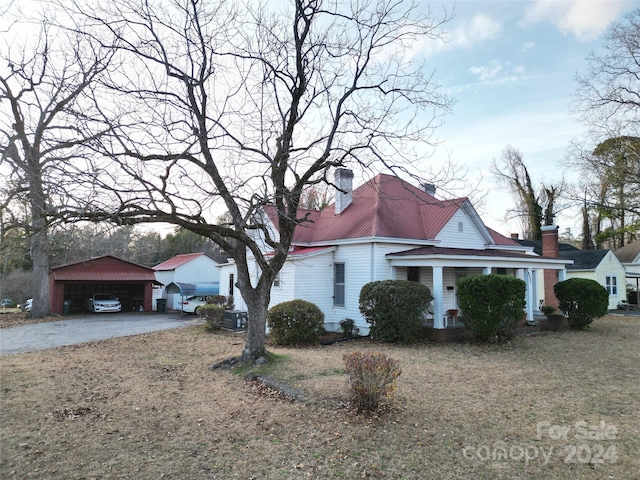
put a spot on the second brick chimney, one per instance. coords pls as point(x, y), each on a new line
point(550, 249)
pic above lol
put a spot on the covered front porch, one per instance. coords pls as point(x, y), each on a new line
point(441, 268)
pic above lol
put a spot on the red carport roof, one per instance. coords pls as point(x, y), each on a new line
point(103, 269)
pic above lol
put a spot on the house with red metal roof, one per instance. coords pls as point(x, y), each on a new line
point(388, 228)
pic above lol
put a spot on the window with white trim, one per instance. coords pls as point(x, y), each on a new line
point(338, 284)
point(276, 281)
point(611, 283)
point(413, 274)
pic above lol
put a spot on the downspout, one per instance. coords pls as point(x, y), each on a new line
point(372, 267)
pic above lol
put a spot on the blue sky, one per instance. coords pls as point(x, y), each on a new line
point(510, 66)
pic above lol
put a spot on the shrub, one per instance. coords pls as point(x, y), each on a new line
point(349, 328)
point(216, 300)
point(297, 322)
point(212, 315)
point(372, 378)
point(492, 305)
point(547, 309)
point(582, 300)
point(394, 309)
point(230, 305)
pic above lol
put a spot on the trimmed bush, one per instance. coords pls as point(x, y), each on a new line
point(582, 300)
point(297, 322)
point(217, 300)
point(372, 379)
point(492, 305)
point(212, 314)
point(348, 326)
point(394, 309)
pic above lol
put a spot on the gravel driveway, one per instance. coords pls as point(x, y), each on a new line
point(88, 328)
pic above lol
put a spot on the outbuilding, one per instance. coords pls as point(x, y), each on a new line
point(70, 285)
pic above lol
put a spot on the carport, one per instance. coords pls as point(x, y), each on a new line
point(75, 282)
point(188, 289)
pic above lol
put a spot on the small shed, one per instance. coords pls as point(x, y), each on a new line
point(75, 282)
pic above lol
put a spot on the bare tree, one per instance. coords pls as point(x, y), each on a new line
point(229, 107)
point(533, 208)
point(44, 117)
point(609, 90)
point(609, 189)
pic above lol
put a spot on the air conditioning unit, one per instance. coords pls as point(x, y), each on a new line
point(234, 319)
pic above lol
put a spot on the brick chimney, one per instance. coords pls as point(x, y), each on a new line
point(344, 189)
point(515, 236)
point(550, 249)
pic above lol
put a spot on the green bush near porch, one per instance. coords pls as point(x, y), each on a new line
point(296, 322)
point(492, 305)
point(394, 309)
point(582, 300)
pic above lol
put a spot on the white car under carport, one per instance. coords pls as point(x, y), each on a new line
point(103, 302)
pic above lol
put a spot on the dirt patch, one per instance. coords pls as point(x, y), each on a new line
point(149, 406)
point(14, 319)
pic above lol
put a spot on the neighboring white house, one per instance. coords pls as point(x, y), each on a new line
point(629, 255)
point(390, 229)
point(190, 268)
point(602, 266)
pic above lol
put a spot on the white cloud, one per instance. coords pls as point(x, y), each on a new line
point(466, 34)
point(475, 31)
point(497, 72)
point(487, 72)
point(584, 19)
point(527, 46)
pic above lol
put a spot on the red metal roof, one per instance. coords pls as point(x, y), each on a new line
point(177, 261)
point(501, 239)
point(103, 269)
point(385, 206)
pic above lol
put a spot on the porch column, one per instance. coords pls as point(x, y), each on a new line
point(438, 312)
point(486, 270)
point(528, 293)
point(534, 289)
point(562, 275)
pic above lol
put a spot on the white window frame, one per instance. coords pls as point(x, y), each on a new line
point(611, 284)
point(339, 285)
point(277, 282)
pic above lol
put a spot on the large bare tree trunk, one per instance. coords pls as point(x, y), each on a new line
point(257, 321)
point(40, 256)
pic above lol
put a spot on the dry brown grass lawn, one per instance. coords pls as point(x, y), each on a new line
point(150, 407)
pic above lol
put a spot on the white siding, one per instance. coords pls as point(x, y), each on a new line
point(286, 291)
point(201, 269)
point(357, 263)
point(314, 281)
point(225, 272)
point(451, 236)
point(609, 266)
